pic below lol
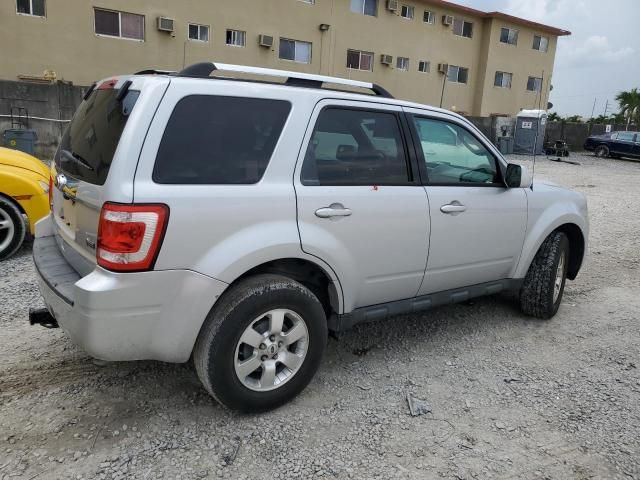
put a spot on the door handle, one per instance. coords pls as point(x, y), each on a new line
point(453, 208)
point(334, 210)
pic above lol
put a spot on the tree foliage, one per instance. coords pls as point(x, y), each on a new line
point(629, 102)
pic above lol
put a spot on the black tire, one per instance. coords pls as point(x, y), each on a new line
point(537, 292)
point(12, 236)
point(215, 350)
point(602, 151)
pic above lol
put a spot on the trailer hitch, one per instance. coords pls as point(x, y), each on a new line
point(42, 316)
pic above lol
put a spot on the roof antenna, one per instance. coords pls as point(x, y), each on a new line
point(535, 151)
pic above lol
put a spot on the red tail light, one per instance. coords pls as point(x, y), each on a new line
point(50, 192)
point(129, 236)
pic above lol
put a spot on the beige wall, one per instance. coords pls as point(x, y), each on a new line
point(65, 42)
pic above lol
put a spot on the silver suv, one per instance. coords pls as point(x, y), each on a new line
point(236, 222)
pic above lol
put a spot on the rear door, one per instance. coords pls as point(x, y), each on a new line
point(624, 144)
point(477, 224)
point(85, 172)
point(360, 205)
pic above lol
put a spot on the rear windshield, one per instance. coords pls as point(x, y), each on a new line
point(90, 141)
point(219, 140)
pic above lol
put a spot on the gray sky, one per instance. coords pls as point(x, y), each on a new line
point(600, 58)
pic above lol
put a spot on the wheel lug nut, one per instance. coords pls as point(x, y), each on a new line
point(263, 358)
point(272, 338)
point(280, 344)
point(262, 346)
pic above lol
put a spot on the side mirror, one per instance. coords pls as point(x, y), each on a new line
point(517, 176)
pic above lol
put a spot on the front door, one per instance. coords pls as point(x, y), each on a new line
point(477, 224)
point(361, 207)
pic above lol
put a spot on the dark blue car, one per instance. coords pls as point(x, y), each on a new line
point(615, 144)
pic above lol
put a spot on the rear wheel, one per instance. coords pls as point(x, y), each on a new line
point(543, 286)
point(602, 151)
point(12, 228)
point(261, 344)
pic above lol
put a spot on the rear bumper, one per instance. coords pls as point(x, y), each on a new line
point(153, 315)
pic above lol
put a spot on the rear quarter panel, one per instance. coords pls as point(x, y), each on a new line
point(225, 230)
point(22, 186)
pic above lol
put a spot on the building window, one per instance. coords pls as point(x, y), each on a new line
point(30, 7)
point(429, 17)
point(503, 79)
point(407, 11)
point(365, 7)
point(360, 60)
point(424, 66)
point(462, 28)
point(119, 24)
point(540, 43)
point(534, 84)
point(236, 38)
point(509, 35)
point(402, 63)
point(295, 50)
point(457, 74)
point(198, 32)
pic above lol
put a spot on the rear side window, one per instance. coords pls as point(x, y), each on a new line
point(219, 140)
point(355, 147)
point(89, 143)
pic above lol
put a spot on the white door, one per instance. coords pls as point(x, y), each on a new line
point(477, 224)
point(361, 207)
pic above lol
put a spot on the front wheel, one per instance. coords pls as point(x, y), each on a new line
point(261, 344)
point(12, 228)
point(602, 151)
point(543, 285)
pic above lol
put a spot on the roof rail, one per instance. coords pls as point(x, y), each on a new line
point(298, 79)
point(153, 71)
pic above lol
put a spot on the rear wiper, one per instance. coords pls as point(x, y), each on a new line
point(77, 158)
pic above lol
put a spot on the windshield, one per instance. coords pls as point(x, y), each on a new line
point(90, 141)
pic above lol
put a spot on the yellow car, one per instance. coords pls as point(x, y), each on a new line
point(24, 192)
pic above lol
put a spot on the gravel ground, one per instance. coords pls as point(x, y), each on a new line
point(510, 396)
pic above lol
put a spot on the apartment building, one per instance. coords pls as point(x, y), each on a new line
point(430, 51)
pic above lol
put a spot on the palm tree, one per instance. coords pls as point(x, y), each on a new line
point(553, 117)
point(630, 105)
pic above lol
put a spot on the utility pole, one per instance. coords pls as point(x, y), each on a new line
point(606, 107)
point(594, 107)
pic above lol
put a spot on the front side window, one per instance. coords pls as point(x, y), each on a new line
point(365, 7)
point(503, 79)
point(509, 35)
point(402, 63)
point(30, 7)
point(236, 38)
point(540, 43)
point(359, 60)
point(198, 32)
point(295, 50)
point(119, 24)
point(407, 11)
point(453, 155)
point(424, 66)
point(219, 140)
point(355, 147)
point(462, 28)
point(429, 17)
point(457, 74)
point(534, 84)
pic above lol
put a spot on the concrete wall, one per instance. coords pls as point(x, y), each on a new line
point(65, 42)
point(55, 101)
